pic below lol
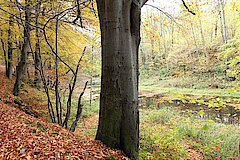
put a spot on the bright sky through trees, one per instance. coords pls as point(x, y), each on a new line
point(169, 6)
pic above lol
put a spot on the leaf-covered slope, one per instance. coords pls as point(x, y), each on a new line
point(25, 137)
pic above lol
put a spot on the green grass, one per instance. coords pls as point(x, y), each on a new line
point(91, 110)
point(191, 91)
point(166, 133)
point(157, 140)
point(87, 110)
point(189, 84)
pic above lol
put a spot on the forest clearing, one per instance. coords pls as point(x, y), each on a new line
point(116, 79)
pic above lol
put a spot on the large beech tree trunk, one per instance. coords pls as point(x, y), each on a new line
point(120, 36)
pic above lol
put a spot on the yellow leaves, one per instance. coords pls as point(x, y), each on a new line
point(64, 6)
point(235, 5)
point(201, 112)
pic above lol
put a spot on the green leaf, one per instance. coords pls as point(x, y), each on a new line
point(201, 112)
point(205, 127)
point(210, 121)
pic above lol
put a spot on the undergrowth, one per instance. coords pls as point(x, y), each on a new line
point(166, 133)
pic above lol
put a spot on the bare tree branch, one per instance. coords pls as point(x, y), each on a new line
point(185, 5)
point(79, 110)
point(170, 17)
point(71, 89)
point(142, 2)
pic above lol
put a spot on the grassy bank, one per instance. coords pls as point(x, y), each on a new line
point(183, 86)
point(166, 133)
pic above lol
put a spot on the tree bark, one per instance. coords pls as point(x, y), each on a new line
point(10, 49)
point(79, 110)
point(21, 68)
point(120, 37)
point(223, 20)
point(37, 48)
point(4, 52)
point(56, 75)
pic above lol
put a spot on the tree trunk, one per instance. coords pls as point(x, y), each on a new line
point(223, 20)
point(4, 52)
point(37, 48)
point(79, 110)
point(201, 30)
point(56, 75)
point(119, 115)
point(143, 57)
point(21, 68)
point(216, 29)
point(10, 49)
point(194, 36)
point(172, 22)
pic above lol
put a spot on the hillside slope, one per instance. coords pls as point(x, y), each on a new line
point(25, 137)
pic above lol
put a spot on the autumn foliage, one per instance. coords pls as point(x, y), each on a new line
point(25, 137)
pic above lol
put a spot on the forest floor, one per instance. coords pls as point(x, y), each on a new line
point(23, 136)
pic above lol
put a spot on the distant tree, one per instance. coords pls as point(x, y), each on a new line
point(221, 5)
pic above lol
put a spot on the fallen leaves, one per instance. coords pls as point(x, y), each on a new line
point(18, 141)
point(25, 137)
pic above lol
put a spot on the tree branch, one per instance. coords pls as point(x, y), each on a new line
point(187, 8)
point(142, 2)
point(170, 17)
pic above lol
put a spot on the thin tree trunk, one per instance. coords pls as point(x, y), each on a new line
point(56, 75)
point(79, 110)
point(221, 26)
point(194, 36)
point(201, 30)
point(45, 85)
point(4, 52)
point(21, 68)
point(153, 56)
point(223, 20)
point(10, 49)
point(71, 89)
point(69, 106)
point(143, 57)
point(216, 29)
point(172, 32)
point(224, 24)
point(37, 48)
